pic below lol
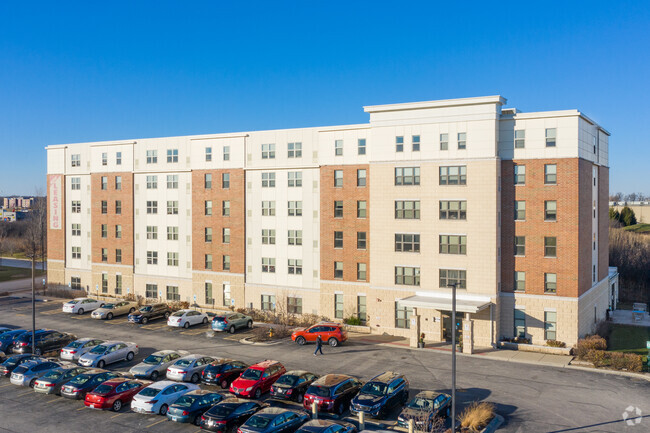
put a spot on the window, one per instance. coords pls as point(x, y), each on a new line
point(172, 259)
point(453, 244)
point(118, 182)
point(550, 283)
point(225, 180)
point(75, 183)
point(225, 263)
point(225, 208)
point(208, 261)
point(152, 182)
point(172, 155)
point(75, 160)
point(118, 231)
point(294, 208)
point(226, 153)
point(208, 293)
point(207, 180)
point(338, 306)
point(520, 323)
point(225, 235)
point(403, 316)
point(152, 156)
point(104, 254)
point(226, 295)
point(104, 158)
point(76, 206)
point(172, 208)
point(295, 267)
point(76, 229)
point(361, 272)
point(172, 233)
point(152, 232)
point(76, 252)
point(104, 205)
point(268, 151)
point(294, 150)
point(118, 284)
point(268, 237)
point(338, 147)
point(362, 208)
point(268, 302)
point(362, 240)
point(550, 325)
point(338, 239)
point(338, 270)
point(550, 174)
point(172, 293)
point(361, 309)
point(361, 177)
point(361, 146)
point(550, 246)
point(455, 175)
point(104, 182)
point(295, 178)
point(520, 174)
point(453, 210)
point(407, 175)
point(118, 207)
point(104, 283)
point(444, 141)
point(118, 255)
point(152, 257)
point(520, 210)
point(453, 276)
point(338, 178)
point(520, 281)
point(415, 141)
point(550, 137)
point(104, 229)
point(208, 207)
point(520, 138)
point(268, 265)
point(151, 291)
point(268, 180)
point(268, 208)
point(338, 209)
point(462, 140)
point(399, 144)
point(172, 181)
point(407, 209)
point(407, 276)
point(520, 246)
point(207, 232)
point(550, 210)
point(295, 237)
point(408, 243)
point(208, 154)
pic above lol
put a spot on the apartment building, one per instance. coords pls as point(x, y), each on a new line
point(375, 221)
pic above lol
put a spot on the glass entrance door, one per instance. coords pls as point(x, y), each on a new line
point(446, 326)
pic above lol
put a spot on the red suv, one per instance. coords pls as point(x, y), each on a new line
point(257, 379)
point(332, 333)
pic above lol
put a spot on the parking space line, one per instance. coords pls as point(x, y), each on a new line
point(25, 393)
point(51, 312)
point(194, 332)
point(116, 415)
point(154, 327)
point(8, 384)
point(82, 407)
point(157, 422)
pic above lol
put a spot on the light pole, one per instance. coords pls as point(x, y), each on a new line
point(453, 356)
point(33, 257)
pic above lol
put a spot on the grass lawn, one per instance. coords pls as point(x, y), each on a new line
point(631, 339)
point(7, 273)
point(638, 228)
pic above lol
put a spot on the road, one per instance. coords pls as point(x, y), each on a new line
point(531, 398)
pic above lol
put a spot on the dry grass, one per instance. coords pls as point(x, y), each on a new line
point(476, 416)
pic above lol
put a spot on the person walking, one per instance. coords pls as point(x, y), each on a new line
point(319, 346)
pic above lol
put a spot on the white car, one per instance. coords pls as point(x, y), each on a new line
point(157, 397)
point(74, 350)
point(81, 305)
point(187, 318)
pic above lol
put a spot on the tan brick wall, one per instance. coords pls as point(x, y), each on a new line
point(84, 274)
point(218, 279)
point(310, 298)
point(111, 271)
point(56, 238)
point(603, 222)
point(592, 307)
point(184, 286)
point(56, 272)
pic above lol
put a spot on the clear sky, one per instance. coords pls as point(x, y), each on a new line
point(90, 71)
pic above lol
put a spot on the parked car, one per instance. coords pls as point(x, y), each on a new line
point(9, 364)
point(229, 414)
point(27, 373)
point(327, 426)
point(46, 341)
point(81, 305)
point(157, 397)
point(191, 406)
point(7, 340)
point(188, 368)
point(332, 333)
point(381, 394)
point(150, 312)
point(187, 318)
point(156, 364)
point(108, 353)
point(115, 393)
point(74, 350)
point(274, 420)
point(424, 408)
point(80, 385)
point(332, 393)
point(52, 382)
point(257, 379)
point(231, 322)
point(292, 385)
point(108, 311)
point(4, 329)
point(222, 372)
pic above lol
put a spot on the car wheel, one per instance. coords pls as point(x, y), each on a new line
point(101, 363)
point(129, 356)
point(154, 375)
point(300, 397)
point(101, 305)
point(333, 342)
point(300, 341)
point(340, 409)
point(194, 378)
point(117, 405)
point(80, 311)
point(205, 320)
point(197, 420)
point(166, 315)
point(131, 310)
point(448, 412)
point(31, 383)
point(231, 329)
point(163, 410)
point(37, 352)
point(258, 393)
point(249, 324)
point(144, 320)
point(224, 384)
point(186, 325)
point(109, 316)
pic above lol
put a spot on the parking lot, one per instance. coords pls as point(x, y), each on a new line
point(531, 398)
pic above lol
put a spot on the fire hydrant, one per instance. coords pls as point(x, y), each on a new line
point(270, 332)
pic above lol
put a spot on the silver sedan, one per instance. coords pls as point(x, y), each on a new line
point(108, 353)
point(156, 364)
point(52, 382)
point(189, 368)
point(74, 350)
point(108, 311)
point(26, 374)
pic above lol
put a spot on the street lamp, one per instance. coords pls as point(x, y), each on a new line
point(453, 356)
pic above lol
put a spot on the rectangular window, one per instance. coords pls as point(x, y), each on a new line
point(118, 255)
point(362, 209)
point(294, 305)
point(172, 208)
point(520, 246)
point(225, 263)
point(104, 283)
point(550, 246)
point(407, 243)
point(208, 207)
point(268, 151)
point(208, 261)
point(520, 174)
point(338, 178)
point(208, 154)
point(403, 316)
point(226, 153)
point(76, 252)
point(207, 234)
point(520, 210)
point(75, 160)
point(453, 210)
point(268, 236)
point(118, 284)
point(295, 237)
point(407, 175)
point(172, 259)
point(226, 295)
point(104, 183)
point(268, 265)
point(207, 180)
point(118, 231)
point(407, 276)
point(152, 257)
point(338, 147)
point(520, 281)
point(453, 276)
point(362, 240)
point(295, 179)
point(76, 206)
point(225, 208)
point(462, 140)
point(75, 183)
point(294, 150)
point(407, 209)
point(268, 180)
point(453, 244)
point(151, 291)
point(338, 209)
point(268, 208)
point(152, 156)
point(118, 207)
point(550, 283)
point(338, 270)
point(225, 235)
point(152, 232)
point(550, 210)
point(76, 229)
point(338, 306)
point(152, 182)
point(455, 175)
point(104, 230)
point(268, 302)
point(209, 299)
point(361, 177)
point(361, 309)
point(550, 137)
point(172, 293)
point(172, 233)
point(520, 323)
point(415, 140)
point(104, 254)
point(338, 239)
point(294, 208)
point(172, 155)
point(550, 174)
point(225, 180)
point(294, 267)
point(118, 182)
point(550, 325)
point(520, 138)
point(361, 146)
point(104, 205)
point(172, 181)
point(444, 141)
point(362, 274)
point(399, 144)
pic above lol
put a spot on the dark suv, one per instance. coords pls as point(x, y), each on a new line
point(222, 372)
point(332, 393)
point(150, 312)
point(46, 341)
point(380, 394)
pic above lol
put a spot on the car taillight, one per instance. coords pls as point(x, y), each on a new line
point(289, 391)
point(23, 344)
point(182, 372)
point(72, 351)
point(185, 413)
point(49, 385)
point(225, 322)
point(151, 402)
point(202, 418)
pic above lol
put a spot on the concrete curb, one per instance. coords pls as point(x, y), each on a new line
point(494, 424)
point(614, 372)
point(253, 343)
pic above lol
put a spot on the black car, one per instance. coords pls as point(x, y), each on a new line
point(229, 414)
point(292, 385)
point(150, 312)
point(7, 340)
point(274, 420)
point(222, 372)
point(81, 385)
point(9, 364)
point(380, 394)
point(327, 426)
point(332, 393)
point(46, 341)
point(424, 408)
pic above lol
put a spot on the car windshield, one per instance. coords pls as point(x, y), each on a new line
point(81, 379)
point(76, 344)
point(420, 404)
point(109, 306)
point(146, 309)
point(186, 401)
point(222, 410)
point(257, 421)
point(24, 338)
point(153, 359)
point(183, 362)
point(53, 375)
point(103, 389)
point(10, 362)
point(319, 391)
point(98, 349)
point(178, 314)
point(251, 374)
point(74, 301)
point(374, 388)
point(287, 379)
point(149, 392)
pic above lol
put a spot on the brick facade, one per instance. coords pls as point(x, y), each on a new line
point(56, 238)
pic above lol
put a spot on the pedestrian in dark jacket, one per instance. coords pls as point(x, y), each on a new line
point(319, 346)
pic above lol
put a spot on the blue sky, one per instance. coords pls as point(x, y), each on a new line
point(90, 71)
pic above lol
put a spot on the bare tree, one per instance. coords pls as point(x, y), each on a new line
point(3, 237)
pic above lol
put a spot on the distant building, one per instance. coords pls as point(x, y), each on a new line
point(641, 209)
point(11, 216)
point(17, 202)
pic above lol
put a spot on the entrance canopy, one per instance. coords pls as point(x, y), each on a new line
point(442, 302)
